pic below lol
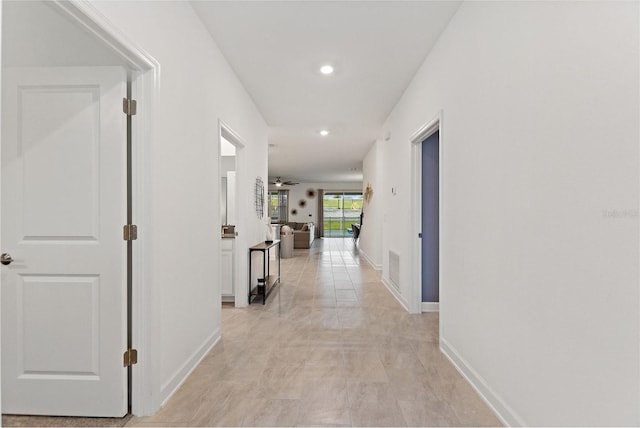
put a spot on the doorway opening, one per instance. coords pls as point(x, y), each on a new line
point(230, 154)
point(427, 218)
point(228, 216)
point(430, 219)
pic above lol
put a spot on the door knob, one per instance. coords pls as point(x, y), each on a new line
point(6, 259)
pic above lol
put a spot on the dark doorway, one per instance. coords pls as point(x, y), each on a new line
point(430, 218)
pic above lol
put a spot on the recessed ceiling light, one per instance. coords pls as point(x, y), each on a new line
point(324, 132)
point(326, 69)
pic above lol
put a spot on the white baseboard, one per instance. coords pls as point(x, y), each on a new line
point(502, 410)
point(375, 266)
point(394, 291)
point(430, 307)
point(177, 379)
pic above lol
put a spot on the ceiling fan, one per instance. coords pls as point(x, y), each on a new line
point(278, 182)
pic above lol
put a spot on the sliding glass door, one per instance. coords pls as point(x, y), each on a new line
point(340, 211)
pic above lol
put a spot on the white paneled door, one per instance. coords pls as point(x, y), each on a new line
point(63, 210)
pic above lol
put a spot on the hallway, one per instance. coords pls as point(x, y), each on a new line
point(331, 347)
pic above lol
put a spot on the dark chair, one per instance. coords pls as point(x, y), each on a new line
point(355, 228)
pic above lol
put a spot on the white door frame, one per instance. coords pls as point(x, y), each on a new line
point(415, 295)
point(145, 80)
point(240, 289)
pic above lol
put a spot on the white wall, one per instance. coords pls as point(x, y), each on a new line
point(309, 213)
point(227, 163)
point(539, 298)
point(197, 88)
point(42, 36)
point(370, 241)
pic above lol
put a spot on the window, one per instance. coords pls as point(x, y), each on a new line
point(279, 206)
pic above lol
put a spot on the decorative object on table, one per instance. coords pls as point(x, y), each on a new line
point(311, 193)
point(368, 193)
point(302, 203)
point(294, 212)
point(259, 197)
point(279, 182)
point(269, 235)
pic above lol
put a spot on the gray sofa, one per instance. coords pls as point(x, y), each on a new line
point(303, 234)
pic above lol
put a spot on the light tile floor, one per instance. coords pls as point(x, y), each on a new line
point(331, 347)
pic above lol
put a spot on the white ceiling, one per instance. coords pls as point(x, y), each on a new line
point(277, 47)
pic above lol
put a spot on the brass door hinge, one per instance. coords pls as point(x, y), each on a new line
point(130, 232)
point(130, 357)
point(129, 107)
